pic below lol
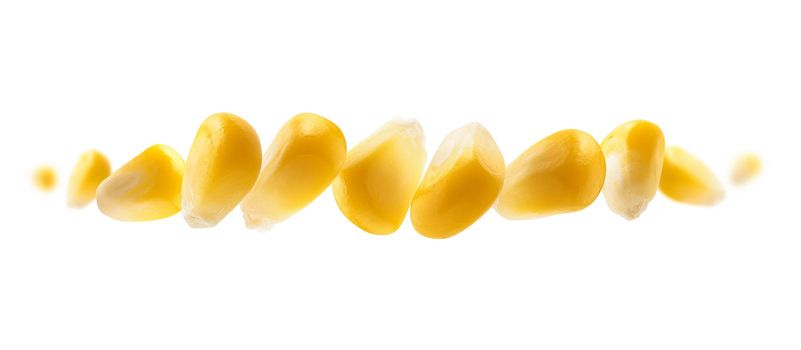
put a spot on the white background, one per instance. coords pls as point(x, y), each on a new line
point(719, 77)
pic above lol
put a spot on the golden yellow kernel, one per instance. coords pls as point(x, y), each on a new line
point(562, 173)
point(221, 168)
point(460, 185)
point(634, 153)
point(92, 168)
point(746, 168)
point(688, 180)
point(380, 175)
point(44, 178)
point(148, 187)
point(301, 163)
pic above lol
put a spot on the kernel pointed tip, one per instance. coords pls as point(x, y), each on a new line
point(409, 126)
point(631, 215)
point(195, 221)
point(258, 223)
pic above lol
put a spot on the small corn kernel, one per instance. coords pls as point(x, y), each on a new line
point(746, 168)
point(380, 175)
point(44, 178)
point(460, 185)
point(634, 153)
point(92, 168)
point(562, 173)
point(221, 168)
point(148, 187)
point(688, 180)
point(301, 163)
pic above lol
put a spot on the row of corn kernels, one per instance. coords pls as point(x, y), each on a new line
point(378, 181)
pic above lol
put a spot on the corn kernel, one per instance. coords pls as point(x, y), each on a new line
point(634, 153)
point(301, 163)
point(148, 187)
point(380, 175)
point(746, 168)
point(688, 180)
point(221, 168)
point(92, 168)
point(562, 173)
point(460, 185)
point(45, 178)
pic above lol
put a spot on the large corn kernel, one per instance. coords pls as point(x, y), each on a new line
point(302, 161)
point(221, 168)
point(688, 180)
point(44, 178)
point(634, 153)
point(380, 175)
point(746, 168)
point(146, 188)
point(92, 168)
point(562, 173)
point(460, 185)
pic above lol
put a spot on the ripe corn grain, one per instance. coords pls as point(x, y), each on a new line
point(460, 185)
point(221, 168)
point(746, 168)
point(92, 168)
point(303, 160)
point(634, 154)
point(562, 173)
point(148, 187)
point(686, 179)
point(375, 186)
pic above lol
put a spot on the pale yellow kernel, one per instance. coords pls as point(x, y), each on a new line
point(148, 187)
point(746, 168)
point(221, 168)
point(460, 185)
point(92, 168)
point(688, 180)
point(303, 160)
point(380, 175)
point(634, 154)
point(562, 173)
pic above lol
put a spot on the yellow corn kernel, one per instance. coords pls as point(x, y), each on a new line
point(562, 173)
point(92, 168)
point(746, 168)
point(221, 168)
point(688, 180)
point(148, 187)
point(44, 178)
point(302, 161)
point(634, 153)
point(460, 185)
point(377, 182)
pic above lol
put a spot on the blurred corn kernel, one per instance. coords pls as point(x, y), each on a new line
point(562, 173)
point(688, 180)
point(92, 168)
point(375, 186)
point(301, 163)
point(461, 183)
point(634, 154)
point(221, 168)
point(45, 178)
point(746, 168)
point(148, 187)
